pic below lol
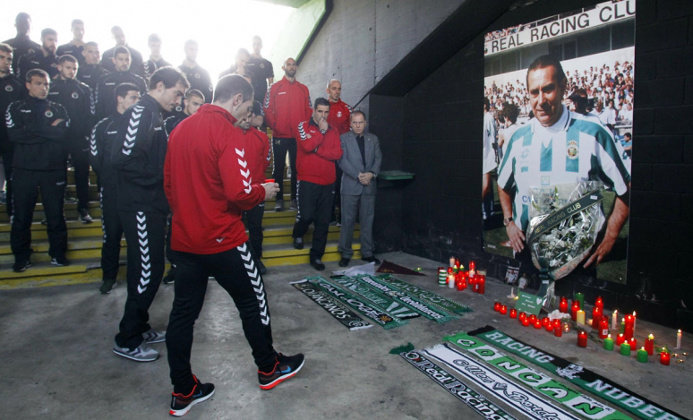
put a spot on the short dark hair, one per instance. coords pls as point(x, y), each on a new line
point(194, 92)
point(36, 72)
point(122, 89)
point(67, 57)
point(320, 101)
point(22, 17)
point(154, 38)
point(6, 48)
point(510, 111)
point(359, 112)
point(630, 136)
point(170, 76)
point(231, 85)
point(487, 103)
point(121, 50)
point(76, 22)
point(48, 31)
point(91, 44)
point(548, 61)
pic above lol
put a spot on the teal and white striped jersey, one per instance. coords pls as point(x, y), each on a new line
point(572, 150)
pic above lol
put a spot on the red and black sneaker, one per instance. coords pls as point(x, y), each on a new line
point(284, 368)
point(181, 404)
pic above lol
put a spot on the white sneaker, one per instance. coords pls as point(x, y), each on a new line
point(153, 336)
point(141, 353)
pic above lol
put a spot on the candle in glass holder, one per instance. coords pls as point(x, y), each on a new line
point(582, 339)
point(679, 335)
point(557, 330)
point(599, 303)
point(664, 358)
point(524, 321)
point(563, 306)
point(580, 318)
point(549, 326)
point(596, 317)
point(625, 349)
point(603, 327)
point(481, 281)
point(629, 326)
point(580, 298)
point(649, 344)
point(609, 343)
point(521, 316)
point(614, 320)
point(633, 343)
point(620, 339)
point(537, 324)
point(566, 327)
point(635, 321)
point(574, 308)
point(513, 313)
point(452, 261)
point(472, 268)
point(545, 321)
point(503, 309)
point(641, 355)
point(532, 318)
point(496, 306)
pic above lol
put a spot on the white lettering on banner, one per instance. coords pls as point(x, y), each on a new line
point(511, 344)
point(603, 13)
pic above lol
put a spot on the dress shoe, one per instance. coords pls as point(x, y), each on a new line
point(371, 259)
point(344, 262)
point(317, 264)
point(298, 243)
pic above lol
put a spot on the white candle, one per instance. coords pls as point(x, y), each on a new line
point(614, 320)
point(678, 339)
point(452, 261)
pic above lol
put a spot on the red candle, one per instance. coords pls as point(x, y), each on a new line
point(664, 358)
point(503, 309)
point(633, 343)
point(537, 324)
point(545, 321)
point(649, 345)
point(620, 339)
point(596, 317)
point(532, 318)
point(481, 281)
point(524, 321)
point(582, 339)
point(463, 283)
point(603, 327)
point(522, 316)
point(513, 313)
point(629, 326)
point(574, 309)
point(563, 306)
point(549, 326)
point(557, 330)
point(496, 306)
point(599, 303)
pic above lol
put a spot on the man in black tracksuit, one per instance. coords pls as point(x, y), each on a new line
point(22, 44)
point(108, 55)
point(196, 75)
point(103, 138)
point(91, 72)
point(105, 90)
point(38, 127)
point(44, 58)
point(138, 157)
point(77, 99)
point(11, 89)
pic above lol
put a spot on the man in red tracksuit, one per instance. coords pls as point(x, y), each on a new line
point(287, 103)
point(339, 118)
point(208, 184)
point(318, 150)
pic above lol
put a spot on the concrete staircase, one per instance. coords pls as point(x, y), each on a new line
point(84, 244)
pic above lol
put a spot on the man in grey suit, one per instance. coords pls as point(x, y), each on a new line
point(360, 164)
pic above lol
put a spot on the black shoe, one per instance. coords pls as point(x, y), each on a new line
point(279, 206)
point(371, 259)
point(344, 262)
point(261, 267)
point(21, 266)
point(181, 404)
point(284, 368)
point(170, 276)
point(84, 216)
point(317, 264)
point(107, 285)
point(293, 205)
point(298, 243)
point(60, 261)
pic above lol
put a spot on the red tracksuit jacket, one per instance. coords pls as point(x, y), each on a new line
point(316, 153)
point(286, 105)
point(258, 153)
point(339, 116)
point(208, 183)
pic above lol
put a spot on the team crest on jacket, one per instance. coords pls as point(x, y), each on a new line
point(75, 95)
point(339, 114)
point(48, 113)
point(9, 88)
point(572, 149)
point(197, 75)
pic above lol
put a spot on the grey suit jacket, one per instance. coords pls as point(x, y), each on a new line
point(351, 163)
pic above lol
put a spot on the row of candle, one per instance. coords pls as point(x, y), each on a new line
point(642, 355)
point(460, 278)
point(533, 320)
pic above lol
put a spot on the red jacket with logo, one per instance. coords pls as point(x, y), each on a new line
point(208, 183)
point(286, 105)
point(339, 116)
point(258, 153)
point(316, 153)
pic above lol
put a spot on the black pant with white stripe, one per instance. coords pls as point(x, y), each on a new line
point(144, 232)
point(253, 222)
point(112, 231)
point(236, 272)
point(280, 147)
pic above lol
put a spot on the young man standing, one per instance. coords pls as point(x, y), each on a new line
point(198, 77)
point(102, 141)
point(21, 43)
point(91, 72)
point(142, 206)
point(105, 90)
point(208, 158)
point(156, 61)
point(318, 150)
point(77, 99)
point(37, 127)
point(44, 58)
point(76, 46)
point(11, 89)
point(136, 58)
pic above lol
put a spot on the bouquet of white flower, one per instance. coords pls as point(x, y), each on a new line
point(565, 221)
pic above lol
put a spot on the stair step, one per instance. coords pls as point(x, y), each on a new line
point(78, 250)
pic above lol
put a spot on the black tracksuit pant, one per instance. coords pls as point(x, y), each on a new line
point(112, 232)
point(280, 146)
point(80, 161)
point(253, 222)
point(314, 206)
point(7, 166)
point(144, 232)
point(26, 184)
point(236, 272)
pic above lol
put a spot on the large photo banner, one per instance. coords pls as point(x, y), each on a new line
point(558, 140)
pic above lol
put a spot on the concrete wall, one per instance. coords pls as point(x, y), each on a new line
point(363, 40)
